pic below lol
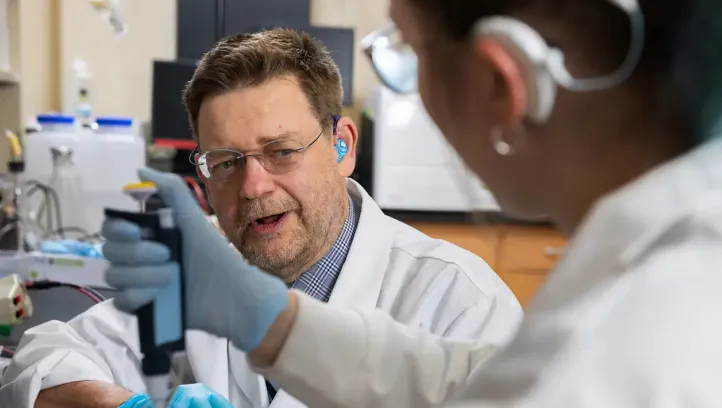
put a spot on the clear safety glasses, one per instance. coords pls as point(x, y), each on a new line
point(393, 60)
point(276, 157)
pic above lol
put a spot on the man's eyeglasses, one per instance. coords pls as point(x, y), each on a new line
point(277, 157)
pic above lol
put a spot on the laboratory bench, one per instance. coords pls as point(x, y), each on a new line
point(522, 253)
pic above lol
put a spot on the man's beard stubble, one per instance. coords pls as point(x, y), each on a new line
point(301, 246)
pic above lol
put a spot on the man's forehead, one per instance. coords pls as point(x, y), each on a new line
point(233, 121)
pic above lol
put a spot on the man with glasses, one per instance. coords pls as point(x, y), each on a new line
point(274, 154)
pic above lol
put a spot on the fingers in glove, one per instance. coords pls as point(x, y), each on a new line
point(128, 277)
point(136, 253)
point(138, 401)
point(171, 187)
point(115, 229)
point(217, 401)
point(130, 300)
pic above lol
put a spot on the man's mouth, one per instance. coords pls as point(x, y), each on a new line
point(269, 223)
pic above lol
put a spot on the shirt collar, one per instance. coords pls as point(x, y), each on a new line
point(319, 281)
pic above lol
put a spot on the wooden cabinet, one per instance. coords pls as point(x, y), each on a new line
point(521, 255)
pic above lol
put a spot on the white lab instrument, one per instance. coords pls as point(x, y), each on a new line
point(54, 130)
point(67, 182)
point(106, 155)
point(420, 281)
point(118, 152)
point(15, 304)
point(414, 167)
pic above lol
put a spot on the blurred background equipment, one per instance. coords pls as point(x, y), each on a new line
point(109, 11)
point(86, 166)
point(413, 167)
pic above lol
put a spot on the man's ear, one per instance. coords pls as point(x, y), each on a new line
point(347, 132)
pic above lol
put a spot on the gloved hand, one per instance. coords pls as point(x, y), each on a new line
point(185, 396)
point(224, 295)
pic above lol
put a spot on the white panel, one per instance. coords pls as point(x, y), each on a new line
point(414, 166)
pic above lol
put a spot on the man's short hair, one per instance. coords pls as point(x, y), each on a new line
point(247, 60)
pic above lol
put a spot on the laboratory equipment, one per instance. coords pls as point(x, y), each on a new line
point(15, 304)
point(160, 323)
point(413, 166)
point(116, 150)
point(66, 181)
point(53, 130)
point(106, 156)
point(12, 231)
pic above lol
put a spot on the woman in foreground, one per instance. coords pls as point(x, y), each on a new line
point(614, 137)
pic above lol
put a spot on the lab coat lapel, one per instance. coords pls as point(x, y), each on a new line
point(359, 283)
point(251, 385)
point(208, 357)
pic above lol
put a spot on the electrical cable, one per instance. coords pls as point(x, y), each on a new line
point(54, 201)
point(91, 293)
point(51, 197)
point(193, 183)
point(6, 352)
point(62, 231)
point(46, 199)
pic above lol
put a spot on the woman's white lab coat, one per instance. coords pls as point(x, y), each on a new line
point(419, 281)
point(632, 317)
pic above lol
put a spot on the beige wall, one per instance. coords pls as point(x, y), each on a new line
point(122, 68)
point(37, 54)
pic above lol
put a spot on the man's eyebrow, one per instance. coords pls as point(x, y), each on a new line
point(281, 136)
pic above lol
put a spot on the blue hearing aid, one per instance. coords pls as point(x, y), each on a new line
point(340, 146)
point(341, 149)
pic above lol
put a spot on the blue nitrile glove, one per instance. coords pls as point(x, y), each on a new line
point(225, 296)
point(138, 401)
point(185, 396)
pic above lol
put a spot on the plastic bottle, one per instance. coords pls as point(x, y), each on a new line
point(115, 153)
point(52, 130)
point(67, 182)
point(78, 92)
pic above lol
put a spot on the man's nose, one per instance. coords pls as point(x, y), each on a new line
point(257, 182)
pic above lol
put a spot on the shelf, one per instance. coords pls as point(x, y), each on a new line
point(8, 78)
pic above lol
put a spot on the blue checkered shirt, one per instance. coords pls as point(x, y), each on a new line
point(318, 281)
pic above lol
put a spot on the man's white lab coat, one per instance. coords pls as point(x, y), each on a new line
point(631, 318)
point(419, 281)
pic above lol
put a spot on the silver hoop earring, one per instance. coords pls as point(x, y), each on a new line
point(500, 140)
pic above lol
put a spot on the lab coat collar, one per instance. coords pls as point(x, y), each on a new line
point(623, 226)
point(358, 286)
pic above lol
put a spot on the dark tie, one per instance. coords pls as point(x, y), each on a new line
point(271, 391)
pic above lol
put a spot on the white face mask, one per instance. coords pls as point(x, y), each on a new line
point(396, 64)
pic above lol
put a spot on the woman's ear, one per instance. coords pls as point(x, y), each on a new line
point(346, 132)
point(510, 95)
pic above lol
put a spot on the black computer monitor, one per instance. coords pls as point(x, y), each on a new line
point(169, 120)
